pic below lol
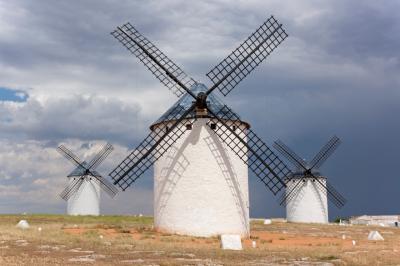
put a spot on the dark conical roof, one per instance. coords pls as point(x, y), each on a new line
point(300, 172)
point(81, 171)
point(186, 101)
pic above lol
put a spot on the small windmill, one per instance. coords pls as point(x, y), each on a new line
point(306, 189)
point(200, 148)
point(83, 190)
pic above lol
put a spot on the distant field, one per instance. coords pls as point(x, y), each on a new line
point(128, 240)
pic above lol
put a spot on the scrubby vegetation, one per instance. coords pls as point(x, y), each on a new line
point(116, 240)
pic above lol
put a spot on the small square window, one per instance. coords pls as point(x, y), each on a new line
point(213, 126)
point(188, 126)
point(234, 128)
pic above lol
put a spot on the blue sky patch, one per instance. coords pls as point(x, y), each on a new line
point(11, 95)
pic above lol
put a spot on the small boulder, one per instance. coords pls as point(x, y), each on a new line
point(23, 224)
point(232, 242)
point(375, 235)
point(267, 221)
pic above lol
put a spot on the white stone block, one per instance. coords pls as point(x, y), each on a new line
point(267, 221)
point(23, 224)
point(232, 242)
point(375, 235)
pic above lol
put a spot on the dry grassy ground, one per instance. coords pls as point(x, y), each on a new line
point(123, 240)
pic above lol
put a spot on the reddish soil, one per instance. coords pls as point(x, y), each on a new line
point(271, 238)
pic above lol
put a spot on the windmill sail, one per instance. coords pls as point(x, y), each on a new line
point(254, 152)
point(234, 68)
point(325, 152)
point(149, 150)
point(163, 68)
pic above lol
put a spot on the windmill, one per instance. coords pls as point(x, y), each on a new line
point(83, 190)
point(306, 189)
point(200, 148)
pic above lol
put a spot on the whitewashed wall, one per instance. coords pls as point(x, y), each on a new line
point(201, 186)
point(85, 201)
point(309, 204)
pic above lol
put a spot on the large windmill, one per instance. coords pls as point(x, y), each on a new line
point(306, 189)
point(84, 183)
point(200, 148)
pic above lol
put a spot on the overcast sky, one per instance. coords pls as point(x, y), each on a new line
point(65, 79)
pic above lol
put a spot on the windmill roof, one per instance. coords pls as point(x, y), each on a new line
point(186, 101)
point(299, 173)
point(80, 171)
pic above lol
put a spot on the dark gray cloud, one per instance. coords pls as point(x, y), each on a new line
point(337, 73)
point(79, 117)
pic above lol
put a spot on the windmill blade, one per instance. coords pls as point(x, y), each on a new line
point(262, 160)
point(109, 188)
point(288, 195)
point(230, 71)
point(100, 156)
point(325, 152)
point(156, 61)
point(149, 150)
point(338, 198)
point(333, 195)
point(70, 156)
point(72, 188)
point(290, 154)
point(77, 189)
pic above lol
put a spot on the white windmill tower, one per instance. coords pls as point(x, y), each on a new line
point(199, 145)
point(84, 182)
point(306, 189)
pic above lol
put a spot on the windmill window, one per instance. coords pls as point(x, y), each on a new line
point(188, 126)
point(166, 128)
point(234, 128)
point(213, 126)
